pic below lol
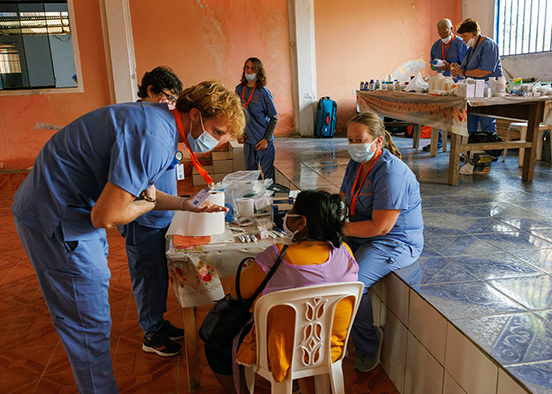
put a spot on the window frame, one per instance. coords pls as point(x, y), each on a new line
point(78, 70)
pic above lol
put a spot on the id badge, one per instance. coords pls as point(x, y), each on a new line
point(179, 172)
point(200, 198)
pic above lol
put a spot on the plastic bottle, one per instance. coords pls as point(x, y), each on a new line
point(438, 63)
point(361, 85)
point(372, 85)
point(501, 86)
point(492, 86)
point(397, 85)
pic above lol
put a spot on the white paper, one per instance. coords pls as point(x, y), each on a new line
point(192, 224)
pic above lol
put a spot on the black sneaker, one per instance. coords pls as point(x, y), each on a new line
point(171, 331)
point(161, 344)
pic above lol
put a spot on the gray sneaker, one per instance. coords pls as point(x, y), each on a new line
point(365, 364)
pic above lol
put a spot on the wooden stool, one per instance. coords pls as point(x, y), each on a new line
point(522, 128)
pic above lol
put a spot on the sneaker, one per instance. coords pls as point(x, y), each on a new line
point(365, 364)
point(427, 148)
point(174, 333)
point(161, 344)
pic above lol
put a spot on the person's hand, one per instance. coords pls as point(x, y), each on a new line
point(207, 206)
point(446, 66)
point(150, 193)
point(241, 140)
point(262, 144)
point(455, 69)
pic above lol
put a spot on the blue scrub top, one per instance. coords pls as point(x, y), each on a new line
point(485, 57)
point(390, 185)
point(455, 54)
point(131, 145)
point(260, 109)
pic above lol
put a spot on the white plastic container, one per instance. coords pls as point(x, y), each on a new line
point(501, 86)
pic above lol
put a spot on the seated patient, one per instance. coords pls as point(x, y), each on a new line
point(317, 255)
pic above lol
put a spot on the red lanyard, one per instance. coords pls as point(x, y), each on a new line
point(206, 177)
point(355, 195)
point(243, 96)
point(443, 47)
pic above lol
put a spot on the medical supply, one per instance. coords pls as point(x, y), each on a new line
point(199, 224)
point(361, 85)
point(479, 88)
point(501, 87)
point(246, 207)
point(492, 86)
point(372, 85)
point(438, 63)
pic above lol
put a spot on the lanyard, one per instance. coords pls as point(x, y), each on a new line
point(355, 195)
point(449, 45)
point(250, 96)
point(206, 177)
point(469, 55)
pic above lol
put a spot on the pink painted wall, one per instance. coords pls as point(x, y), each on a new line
point(358, 40)
point(203, 39)
point(28, 121)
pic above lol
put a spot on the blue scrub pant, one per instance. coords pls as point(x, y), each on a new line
point(488, 125)
point(252, 157)
point(74, 279)
point(147, 263)
point(375, 260)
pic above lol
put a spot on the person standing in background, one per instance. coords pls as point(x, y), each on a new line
point(257, 101)
point(145, 237)
point(450, 49)
point(482, 61)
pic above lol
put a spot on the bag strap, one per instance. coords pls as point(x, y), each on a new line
point(265, 281)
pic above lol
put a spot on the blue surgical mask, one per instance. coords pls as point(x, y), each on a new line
point(204, 143)
point(361, 153)
point(250, 77)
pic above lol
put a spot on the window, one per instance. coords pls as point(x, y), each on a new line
point(524, 26)
point(36, 48)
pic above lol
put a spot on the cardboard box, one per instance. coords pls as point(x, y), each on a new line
point(223, 166)
point(479, 88)
point(225, 155)
point(219, 177)
point(281, 205)
point(235, 147)
point(198, 180)
point(238, 165)
point(209, 168)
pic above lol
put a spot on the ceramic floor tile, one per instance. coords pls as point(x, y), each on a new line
point(541, 258)
point(496, 266)
point(546, 315)
point(467, 299)
point(511, 339)
point(537, 376)
point(435, 270)
point(515, 241)
point(489, 225)
point(532, 292)
point(460, 245)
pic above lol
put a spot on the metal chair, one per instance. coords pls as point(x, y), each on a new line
point(314, 314)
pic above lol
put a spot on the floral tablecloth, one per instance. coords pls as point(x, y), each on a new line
point(443, 112)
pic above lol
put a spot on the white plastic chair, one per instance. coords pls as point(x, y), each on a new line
point(314, 313)
point(522, 128)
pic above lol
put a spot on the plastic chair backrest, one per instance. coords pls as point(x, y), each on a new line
point(314, 314)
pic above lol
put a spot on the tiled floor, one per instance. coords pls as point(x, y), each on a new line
point(487, 261)
point(32, 359)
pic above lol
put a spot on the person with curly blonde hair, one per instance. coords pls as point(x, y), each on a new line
point(99, 172)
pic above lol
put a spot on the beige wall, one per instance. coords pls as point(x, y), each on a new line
point(200, 39)
point(358, 40)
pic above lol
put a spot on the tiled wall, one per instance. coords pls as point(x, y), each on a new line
point(423, 353)
point(11, 180)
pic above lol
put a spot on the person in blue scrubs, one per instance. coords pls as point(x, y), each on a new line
point(482, 61)
point(385, 227)
point(145, 237)
point(258, 102)
point(99, 172)
point(450, 49)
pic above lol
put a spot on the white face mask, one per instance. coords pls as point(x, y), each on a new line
point(361, 153)
point(250, 77)
point(446, 40)
point(289, 233)
point(204, 143)
point(471, 42)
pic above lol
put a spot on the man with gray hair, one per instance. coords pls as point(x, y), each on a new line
point(449, 49)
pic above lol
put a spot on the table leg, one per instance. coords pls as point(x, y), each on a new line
point(454, 160)
point(445, 138)
point(534, 116)
point(416, 131)
point(434, 141)
point(189, 324)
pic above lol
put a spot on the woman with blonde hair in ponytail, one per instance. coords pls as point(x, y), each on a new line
point(385, 227)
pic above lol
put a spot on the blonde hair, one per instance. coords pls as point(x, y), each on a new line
point(376, 128)
point(213, 100)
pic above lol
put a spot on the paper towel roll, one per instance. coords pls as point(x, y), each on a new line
point(246, 207)
point(192, 224)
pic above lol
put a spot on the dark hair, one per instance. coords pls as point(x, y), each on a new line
point(160, 78)
point(469, 26)
point(259, 70)
point(325, 213)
